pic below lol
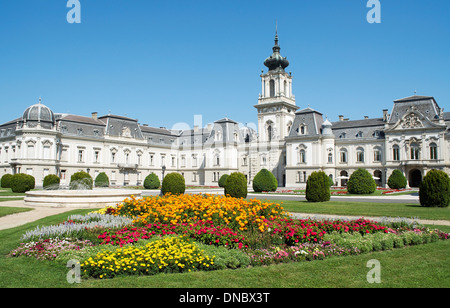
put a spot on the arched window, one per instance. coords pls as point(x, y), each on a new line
point(330, 157)
point(272, 87)
point(302, 156)
point(415, 151)
point(377, 154)
point(396, 152)
point(360, 155)
point(343, 155)
point(285, 88)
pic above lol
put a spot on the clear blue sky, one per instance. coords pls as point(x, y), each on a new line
point(163, 62)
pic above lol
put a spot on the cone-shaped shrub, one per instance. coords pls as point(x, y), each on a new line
point(236, 185)
point(152, 181)
point(361, 182)
point(435, 189)
point(397, 180)
point(102, 180)
point(264, 181)
point(318, 187)
point(173, 183)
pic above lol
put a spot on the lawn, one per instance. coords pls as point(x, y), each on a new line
point(424, 266)
point(369, 209)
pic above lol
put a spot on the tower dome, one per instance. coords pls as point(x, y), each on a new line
point(326, 128)
point(276, 61)
point(38, 113)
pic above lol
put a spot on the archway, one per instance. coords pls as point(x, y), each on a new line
point(415, 178)
point(377, 176)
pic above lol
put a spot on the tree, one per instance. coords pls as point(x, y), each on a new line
point(51, 182)
point(361, 182)
point(397, 180)
point(318, 187)
point(236, 185)
point(152, 181)
point(102, 180)
point(80, 180)
point(222, 180)
point(434, 190)
point(173, 183)
point(264, 181)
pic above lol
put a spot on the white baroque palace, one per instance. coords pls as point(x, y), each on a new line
point(291, 142)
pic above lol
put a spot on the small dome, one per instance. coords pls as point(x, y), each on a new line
point(326, 128)
point(38, 112)
point(276, 61)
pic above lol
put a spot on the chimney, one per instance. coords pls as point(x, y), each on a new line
point(341, 118)
point(366, 117)
point(146, 125)
point(95, 115)
point(195, 128)
point(385, 115)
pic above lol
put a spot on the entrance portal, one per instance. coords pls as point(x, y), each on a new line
point(415, 178)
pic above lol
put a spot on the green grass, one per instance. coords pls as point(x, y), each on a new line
point(8, 192)
point(366, 209)
point(424, 266)
point(6, 210)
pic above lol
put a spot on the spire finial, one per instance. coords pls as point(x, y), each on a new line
point(276, 32)
point(40, 99)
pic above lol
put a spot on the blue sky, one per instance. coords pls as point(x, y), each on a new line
point(163, 62)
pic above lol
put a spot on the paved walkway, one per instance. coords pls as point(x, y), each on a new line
point(14, 220)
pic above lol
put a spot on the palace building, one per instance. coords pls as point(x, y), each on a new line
point(290, 141)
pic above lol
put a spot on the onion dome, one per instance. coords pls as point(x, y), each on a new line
point(276, 61)
point(38, 112)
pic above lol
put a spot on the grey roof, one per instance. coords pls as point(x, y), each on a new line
point(424, 104)
point(365, 128)
point(309, 117)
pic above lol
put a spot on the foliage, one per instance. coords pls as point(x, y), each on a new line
point(173, 183)
point(264, 181)
point(222, 180)
point(361, 182)
point(236, 185)
point(434, 190)
point(6, 180)
point(397, 180)
point(81, 180)
point(21, 183)
point(152, 181)
point(318, 187)
point(51, 182)
point(102, 180)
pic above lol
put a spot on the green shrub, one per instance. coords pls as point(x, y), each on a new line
point(6, 180)
point(51, 182)
point(80, 180)
point(361, 182)
point(21, 183)
point(264, 181)
point(397, 180)
point(222, 180)
point(152, 181)
point(318, 187)
point(236, 185)
point(434, 190)
point(102, 180)
point(173, 183)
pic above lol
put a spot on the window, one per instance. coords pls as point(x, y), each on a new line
point(80, 156)
point(330, 157)
point(152, 159)
point(113, 157)
point(302, 157)
point(96, 156)
point(433, 151)
point(173, 161)
point(396, 152)
point(46, 152)
point(269, 132)
point(194, 160)
point(377, 155)
point(343, 155)
point(272, 88)
point(163, 159)
point(359, 155)
point(415, 151)
point(359, 134)
point(139, 158)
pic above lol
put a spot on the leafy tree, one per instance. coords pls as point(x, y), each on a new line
point(318, 187)
point(361, 182)
point(265, 181)
point(236, 185)
point(434, 190)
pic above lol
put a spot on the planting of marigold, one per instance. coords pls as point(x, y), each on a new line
point(238, 214)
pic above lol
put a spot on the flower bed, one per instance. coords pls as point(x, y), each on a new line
point(202, 232)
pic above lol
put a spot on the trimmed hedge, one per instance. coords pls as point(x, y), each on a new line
point(434, 190)
point(265, 181)
point(173, 183)
point(152, 181)
point(397, 180)
point(361, 182)
point(318, 187)
point(222, 180)
point(21, 183)
point(102, 180)
point(51, 182)
point(6, 180)
point(236, 185)
point(80, 180)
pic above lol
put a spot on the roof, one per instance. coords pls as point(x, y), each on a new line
point(81, 119)
point(358, 123)
point(413, 98)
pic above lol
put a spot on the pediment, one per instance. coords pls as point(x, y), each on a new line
point(414, 120)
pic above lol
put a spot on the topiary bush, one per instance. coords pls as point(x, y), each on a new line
point(152, 181)
point(434, 190)
point(21, 183)
point(222, 180)
point(6, 180)
point(236, 185)
point(102, 180)
point(80, 180)
point(264, 181)
point(397, 180)
point(361, 182)
point(51, 182)
point(318, 187)
point(173, 183)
